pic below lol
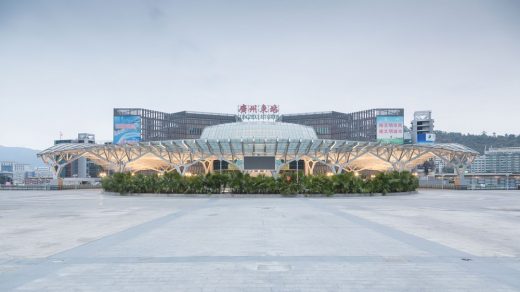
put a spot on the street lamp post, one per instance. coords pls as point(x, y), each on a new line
point(297, 171)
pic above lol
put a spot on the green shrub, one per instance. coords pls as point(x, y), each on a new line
point(239, 183)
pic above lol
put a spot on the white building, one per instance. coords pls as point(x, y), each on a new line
point(42, 172)
point(498, 160)
point(439, 165)
point(17, 171)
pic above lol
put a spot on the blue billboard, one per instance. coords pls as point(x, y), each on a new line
point(425, 138)
point(390, 129)
point(127, 129)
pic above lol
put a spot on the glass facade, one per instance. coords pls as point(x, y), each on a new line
point(157, 126)
point(356, 126)
point(259, 130)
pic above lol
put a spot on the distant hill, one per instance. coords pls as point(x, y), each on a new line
point(21, 155)
point(478, 142)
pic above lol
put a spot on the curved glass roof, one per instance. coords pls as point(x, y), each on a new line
point(258, 130)
point(157, 155)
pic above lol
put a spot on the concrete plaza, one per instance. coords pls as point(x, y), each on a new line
point(432, 241)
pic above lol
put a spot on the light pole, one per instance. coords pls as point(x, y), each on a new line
point(220, 171)
point(297, 171)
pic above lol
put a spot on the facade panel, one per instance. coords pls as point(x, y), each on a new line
point(356, 126)
point(157, 126)
point(498, 160)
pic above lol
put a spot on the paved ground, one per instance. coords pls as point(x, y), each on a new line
point(432, 241)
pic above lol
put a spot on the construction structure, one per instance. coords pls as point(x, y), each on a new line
point(422, 127)
point(259, 147)
point(81, 167)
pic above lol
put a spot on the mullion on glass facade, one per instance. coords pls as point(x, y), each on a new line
point(356, 126)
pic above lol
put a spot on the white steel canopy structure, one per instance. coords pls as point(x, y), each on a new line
point(263, 140)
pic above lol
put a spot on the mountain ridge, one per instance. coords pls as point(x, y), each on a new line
point(20, 155)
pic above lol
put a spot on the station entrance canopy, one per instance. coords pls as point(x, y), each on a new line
point(181, 155)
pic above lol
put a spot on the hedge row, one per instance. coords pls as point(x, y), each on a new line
point(239, 183)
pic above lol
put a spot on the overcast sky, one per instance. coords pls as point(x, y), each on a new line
point(64, 65)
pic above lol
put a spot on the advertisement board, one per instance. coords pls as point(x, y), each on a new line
point(259, 162)
point(390, 129)
point(425, 138)
point(127, 129)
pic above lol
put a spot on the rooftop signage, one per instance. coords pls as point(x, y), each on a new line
point(256, 112)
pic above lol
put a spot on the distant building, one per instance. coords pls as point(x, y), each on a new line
point(17, 172)
point(422, 127)
point(82, 167)
point(439, 165)
point(20, 172)
point(498, 160)
point(7, 166)
point(42, 172)
point(41, 175)
point(38, 180)
point(6, 170)
point(478, 165)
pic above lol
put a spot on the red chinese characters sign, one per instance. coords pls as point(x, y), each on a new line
point(390, 129)
point(258, 112)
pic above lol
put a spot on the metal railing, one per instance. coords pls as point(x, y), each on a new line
point(450, 186)
point(440, 186)
point(48, 187)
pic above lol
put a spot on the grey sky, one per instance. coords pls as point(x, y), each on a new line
point(64, 65)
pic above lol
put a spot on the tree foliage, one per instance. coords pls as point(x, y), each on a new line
point(239, 183)
point(479, 142)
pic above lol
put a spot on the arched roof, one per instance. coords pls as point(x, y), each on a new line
point(258, 130)
point(183, 153)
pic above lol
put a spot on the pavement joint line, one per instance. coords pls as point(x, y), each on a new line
point(129, 233)
point(496, 271)
point(288, 259)
point(11, 280)
point(429, 246)
point(379, 264)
